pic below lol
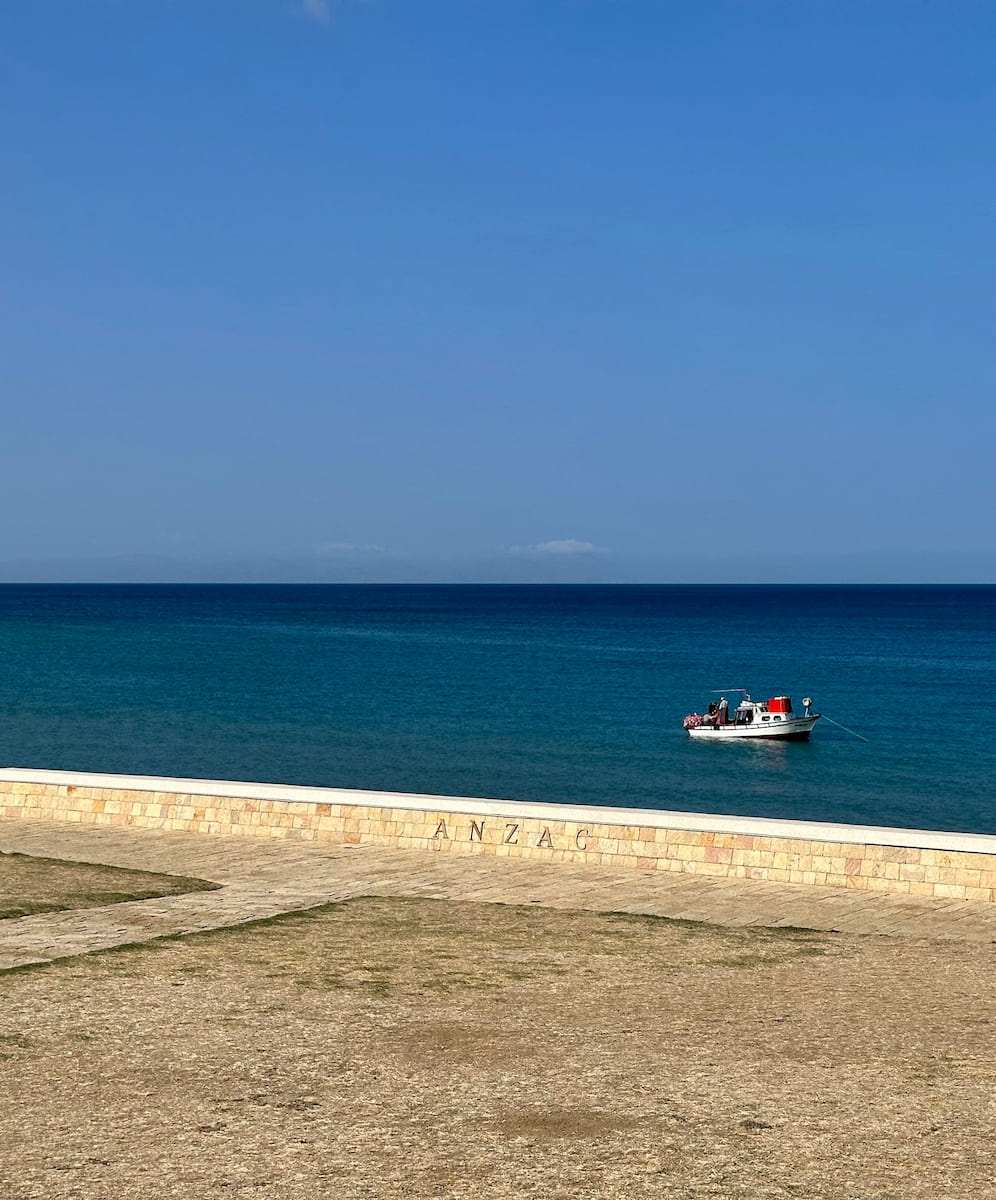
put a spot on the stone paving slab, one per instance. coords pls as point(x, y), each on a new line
point(264, 878)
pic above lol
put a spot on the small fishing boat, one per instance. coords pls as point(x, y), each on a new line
point(774, 718)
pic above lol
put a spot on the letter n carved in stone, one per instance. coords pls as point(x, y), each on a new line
point(477, 831)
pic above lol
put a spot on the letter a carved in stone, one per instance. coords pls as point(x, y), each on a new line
point(545, 839)
point(441, 831)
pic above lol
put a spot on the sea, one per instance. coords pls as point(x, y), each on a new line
point(561, 694)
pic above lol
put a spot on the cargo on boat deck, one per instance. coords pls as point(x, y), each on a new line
point(774, 718)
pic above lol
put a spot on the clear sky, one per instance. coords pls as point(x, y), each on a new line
point(498, 289)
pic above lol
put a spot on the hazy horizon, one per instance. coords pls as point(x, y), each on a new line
point(872, 570)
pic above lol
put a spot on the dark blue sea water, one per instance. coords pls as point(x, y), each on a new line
point(565, 694)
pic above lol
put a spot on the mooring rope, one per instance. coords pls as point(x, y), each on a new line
point(844, 727)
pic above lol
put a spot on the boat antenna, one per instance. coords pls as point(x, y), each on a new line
point(716, 691)
point(845, 729)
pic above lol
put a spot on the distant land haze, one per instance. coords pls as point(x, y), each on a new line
point(371, 566)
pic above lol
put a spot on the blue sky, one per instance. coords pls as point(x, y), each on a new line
point(595, 289)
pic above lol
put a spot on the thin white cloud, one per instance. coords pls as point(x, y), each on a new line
point(561, 547)
point(350, 548)
point(318, 10)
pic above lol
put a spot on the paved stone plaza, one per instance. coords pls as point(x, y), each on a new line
point(262, 878)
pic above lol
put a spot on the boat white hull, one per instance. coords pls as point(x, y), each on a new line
point(794, 729)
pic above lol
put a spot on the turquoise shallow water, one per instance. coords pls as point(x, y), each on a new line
point(564, 694)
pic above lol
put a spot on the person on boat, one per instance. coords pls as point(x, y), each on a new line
point(723, 712)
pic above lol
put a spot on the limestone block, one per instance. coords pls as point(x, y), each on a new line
point(879, 883)
point(949, 891)
point(830, 864)
point(921, 889)
point(790, 846)
point(968, 878)
point(718, 854)
point(679, 837)
point(709, 868)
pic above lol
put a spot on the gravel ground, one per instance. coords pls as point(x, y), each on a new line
point(411, 1048)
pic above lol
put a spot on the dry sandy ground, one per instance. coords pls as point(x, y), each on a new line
point(33, 885)
point(411, 1048)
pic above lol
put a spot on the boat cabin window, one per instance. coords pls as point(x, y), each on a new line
point(776, 718)
point(765, 718)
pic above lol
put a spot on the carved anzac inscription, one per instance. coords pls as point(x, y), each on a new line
point(511, 835)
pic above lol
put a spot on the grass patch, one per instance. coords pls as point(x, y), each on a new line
point(763, 958)
point(30, 885)
point(500, 1052)
point(562, 1123)
point(652, 921)
point(28, 908)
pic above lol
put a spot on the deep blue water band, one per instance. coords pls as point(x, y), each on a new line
point(566, 694)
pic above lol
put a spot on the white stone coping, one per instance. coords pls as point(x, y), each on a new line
point(580, 814)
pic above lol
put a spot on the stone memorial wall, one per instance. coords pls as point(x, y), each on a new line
point(915, 862)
